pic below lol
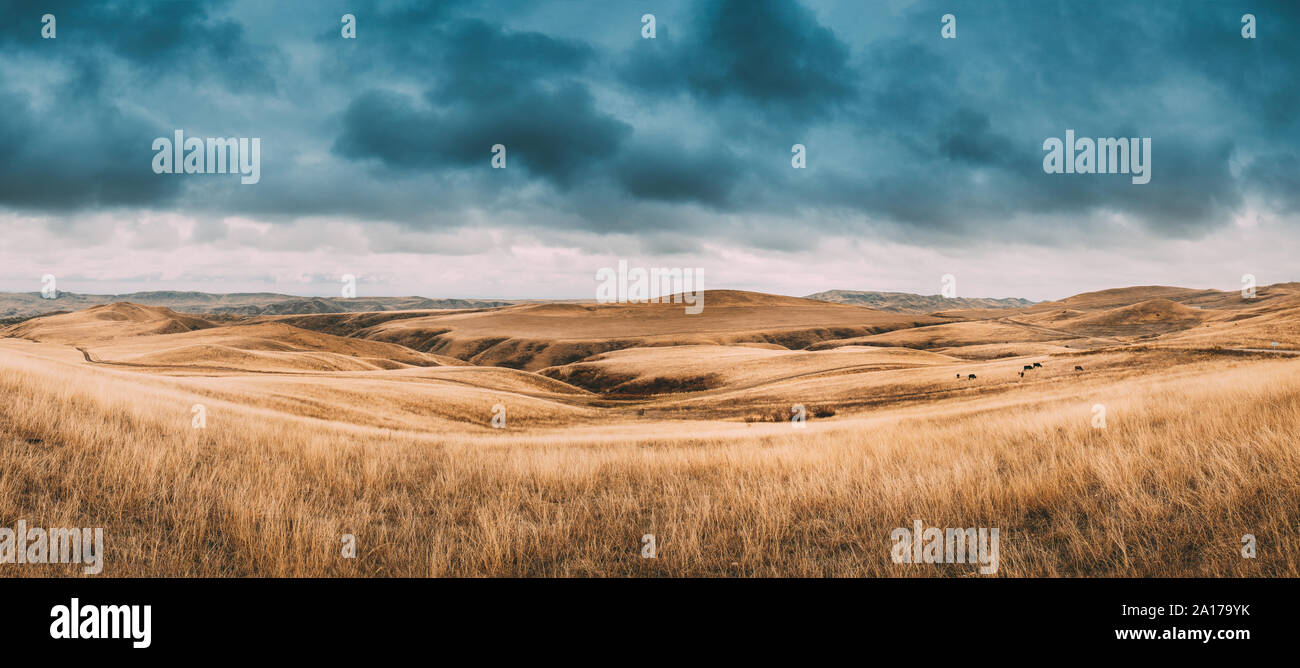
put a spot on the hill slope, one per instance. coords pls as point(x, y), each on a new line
point(105, 323)
point(20, 305)
point(906, 302)
point(536, 336)
point(263, 347)
point(677, 369)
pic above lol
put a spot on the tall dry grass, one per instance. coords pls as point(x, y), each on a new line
point(1169, 488)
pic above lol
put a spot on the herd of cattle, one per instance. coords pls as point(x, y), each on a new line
point(1028, 367)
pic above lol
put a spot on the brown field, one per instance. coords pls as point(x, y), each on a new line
point(625, 420)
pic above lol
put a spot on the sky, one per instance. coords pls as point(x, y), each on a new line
point(923, 155)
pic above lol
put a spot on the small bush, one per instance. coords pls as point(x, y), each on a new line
point(823, 411)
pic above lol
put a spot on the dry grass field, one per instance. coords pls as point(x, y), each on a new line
point(625, 420)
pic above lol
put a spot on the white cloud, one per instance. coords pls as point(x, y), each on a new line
point(158, 252)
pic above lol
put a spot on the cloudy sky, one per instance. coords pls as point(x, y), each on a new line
point(924, 155)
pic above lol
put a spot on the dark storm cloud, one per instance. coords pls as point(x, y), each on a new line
point(930, 139)
point(967, 137)
point(770, 55)
point(554, 134)
point(1277, 177)
point(667, 171)
point(963, 120)
point(490, 86)
point(159, 39)
point(72, 157)
point(83, 143)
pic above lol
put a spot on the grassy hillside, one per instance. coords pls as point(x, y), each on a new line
point(414, 432)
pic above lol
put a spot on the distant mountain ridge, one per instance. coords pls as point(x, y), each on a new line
point(16, 306)
point(906, 302)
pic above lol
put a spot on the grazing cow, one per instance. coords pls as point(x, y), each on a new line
point(1037, 365)
point(1078, 368)
point(1028, 368)
point(958, 376)
point(1022, 374)
point(970, 377)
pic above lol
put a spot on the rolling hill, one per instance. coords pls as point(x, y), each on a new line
point(17, 306)
point(262, 347)
point(906, 302)
point(626, 419)
point(536, 336)
point(105, 323)
point(693, 368)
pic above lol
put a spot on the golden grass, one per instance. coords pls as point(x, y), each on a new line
point(1189, 462)
point(536, 336)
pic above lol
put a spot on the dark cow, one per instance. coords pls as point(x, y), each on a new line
point(958, 376)
point(1078, 368)
point(970, 377)
point(1037, 365)
point(1028, 368)
point(1022, 374)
